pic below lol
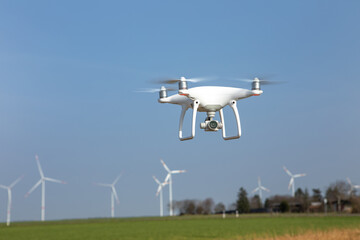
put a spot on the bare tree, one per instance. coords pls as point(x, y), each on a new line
point(191, 206)
point(219, 208)
point(255, 202)
point(208, 205)
point(316, 196)
point(336, 192)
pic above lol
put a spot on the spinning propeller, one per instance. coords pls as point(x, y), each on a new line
point(155, 90)
point(264, 80)
point(194, 80)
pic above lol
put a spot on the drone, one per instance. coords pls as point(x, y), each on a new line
point(209, 99)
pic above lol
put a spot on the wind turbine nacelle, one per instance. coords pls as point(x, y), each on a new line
point(212, 125)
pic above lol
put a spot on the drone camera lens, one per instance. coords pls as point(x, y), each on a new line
point(213, 124)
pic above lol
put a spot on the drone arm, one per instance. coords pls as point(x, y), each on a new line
point(183, 111)
point(234, 108)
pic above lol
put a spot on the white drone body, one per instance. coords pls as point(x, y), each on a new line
point(209, 99)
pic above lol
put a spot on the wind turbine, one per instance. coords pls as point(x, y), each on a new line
point(169, 179)
point(352, 186)
point(259, 189)
point(292, 179)
point(159, 190)
point(42, 181)
point(8, 188)
point(113, 194)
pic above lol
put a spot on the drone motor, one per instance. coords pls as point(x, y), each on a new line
point(256, 84)
point(162, 92)
point(183, 84)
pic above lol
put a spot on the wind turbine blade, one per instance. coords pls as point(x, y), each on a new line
point(255, 190)
point(265, 189)
point(3, 186)
point(115, 194)
point(156, 180)
point(348, 179)
point(16, 181)
point(287, 171)
point(54, 180)
point(158, 190)
point(259, 181)
point(167, 177)
point(299, 175)
point(356, 186)
point(166, 167)
point(291, 182)
point(33, 188)
point(39, 166)
point(178, 171)
point(103, 184)
point(117, 179)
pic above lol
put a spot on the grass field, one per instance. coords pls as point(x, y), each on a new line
point(185, 227)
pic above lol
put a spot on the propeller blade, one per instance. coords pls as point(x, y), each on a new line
point(154, 90)
point(194, 80)
point(264, 79)
point(244, 79)
point(199, 79)
point(267, 82)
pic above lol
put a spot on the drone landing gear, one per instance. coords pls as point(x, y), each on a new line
point(232, 104)
point(183, 111)
point(196, 104)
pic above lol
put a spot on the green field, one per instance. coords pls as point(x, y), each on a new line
point(186, 227)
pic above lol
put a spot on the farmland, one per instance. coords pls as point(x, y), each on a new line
point(185, 227)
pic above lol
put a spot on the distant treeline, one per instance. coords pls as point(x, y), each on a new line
point(339, 197)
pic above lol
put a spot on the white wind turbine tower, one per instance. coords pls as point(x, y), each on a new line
point(259, 189)
point(159, 190)
point(292, 179)
point(169, 179)
point(42, 181)
point(352, 186)
point(8, 188)
point(113, 194)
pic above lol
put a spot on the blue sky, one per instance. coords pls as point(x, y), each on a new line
point(67, 80)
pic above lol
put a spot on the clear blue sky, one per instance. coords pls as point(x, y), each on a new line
point(68, 71)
